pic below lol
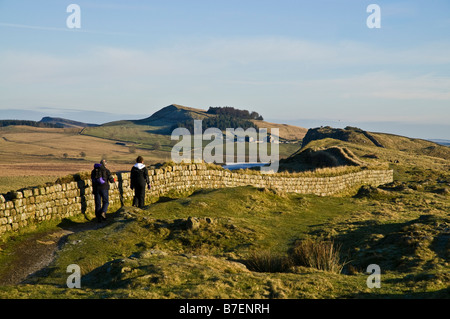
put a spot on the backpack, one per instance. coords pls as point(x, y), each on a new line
point(97, 175)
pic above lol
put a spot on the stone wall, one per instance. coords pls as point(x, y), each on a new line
point(34, 205)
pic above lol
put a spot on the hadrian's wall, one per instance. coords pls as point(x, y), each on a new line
point(59, 201)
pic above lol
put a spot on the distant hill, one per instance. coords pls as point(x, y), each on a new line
point(175, 114)
point(441, 142)
point(85, 116)
point(287, 132)
point(60, 122)
point(379, 140)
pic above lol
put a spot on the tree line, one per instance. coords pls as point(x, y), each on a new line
point(4, 123)
point(222, 122)
point(231, 111)
point(225, 117)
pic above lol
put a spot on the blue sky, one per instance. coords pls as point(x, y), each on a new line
point(289, 60)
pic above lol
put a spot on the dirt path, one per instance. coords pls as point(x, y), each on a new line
point(37, 252)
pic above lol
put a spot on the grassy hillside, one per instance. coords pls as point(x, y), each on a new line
point(380, 140)
point(158, 129)
point(413, 146)
point(400, 160)
point(241, 243)
point(256, 243)
point(144, 137)
point(287, 132)
point(61, 122)
point(251, 243)
point(173, 114)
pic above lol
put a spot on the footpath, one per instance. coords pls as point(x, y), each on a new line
point(37, 252)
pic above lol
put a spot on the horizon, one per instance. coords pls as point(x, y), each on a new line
point(290, 61)
point(396, 128)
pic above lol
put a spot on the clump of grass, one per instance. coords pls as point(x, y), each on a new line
point(322, 255)
point(268, 261)
point(73, 178)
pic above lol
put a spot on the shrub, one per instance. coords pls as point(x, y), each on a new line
point(267, 261)
point(322, 255)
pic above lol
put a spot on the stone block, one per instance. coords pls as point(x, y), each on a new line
point(27, 193)
point(50, 189)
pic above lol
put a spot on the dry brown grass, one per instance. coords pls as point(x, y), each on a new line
point(31, 155)
point(288, 132)
point(54, 169)
point(267, 261)
point(17, 142)
point(322, 255)
point(53, 144)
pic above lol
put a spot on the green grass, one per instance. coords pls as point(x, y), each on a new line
point(145, 136)
point(142, 136)
point(161, 252)
point(241, 242)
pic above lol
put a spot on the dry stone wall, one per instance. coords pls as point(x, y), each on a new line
point(34, 205)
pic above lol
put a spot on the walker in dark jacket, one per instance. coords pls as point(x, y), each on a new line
point(139, 181)
point(101, 177)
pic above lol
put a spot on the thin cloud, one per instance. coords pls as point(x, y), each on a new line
point(41, 28)
point(262, 71)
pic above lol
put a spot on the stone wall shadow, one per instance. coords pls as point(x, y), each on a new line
point(82, 185)
point(120, 188)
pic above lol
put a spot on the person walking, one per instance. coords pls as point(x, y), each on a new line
point(139, 180)
point(101, 177)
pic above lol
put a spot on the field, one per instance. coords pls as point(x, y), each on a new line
point(145, 137)
point(33, 156)
point(247, 242)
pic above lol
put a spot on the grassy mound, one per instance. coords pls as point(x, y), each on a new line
point(310, 159)
point(357, 136)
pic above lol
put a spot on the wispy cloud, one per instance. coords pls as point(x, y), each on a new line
point(43, 28)
point(32, 27)
point(271, 58)
point(265, 70)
